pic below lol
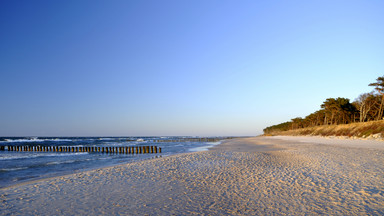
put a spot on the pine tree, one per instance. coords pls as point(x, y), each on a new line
point(379, 87)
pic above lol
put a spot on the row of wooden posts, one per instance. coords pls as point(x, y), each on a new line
point(118, 150)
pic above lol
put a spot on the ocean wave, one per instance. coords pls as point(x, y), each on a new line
point(15, 157)
point(106, 138)
point(13, 169)
point(204, 148)
point(35, 140)
point(61, 162)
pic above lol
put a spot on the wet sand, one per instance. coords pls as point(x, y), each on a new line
point(251, 176)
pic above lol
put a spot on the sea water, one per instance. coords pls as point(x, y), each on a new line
point(23, 166)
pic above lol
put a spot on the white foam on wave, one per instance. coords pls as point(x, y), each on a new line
point(35, 155)
point(60, 162)
point(105, 138)
point(35, 140)
point(13, 169)
point(204, 148)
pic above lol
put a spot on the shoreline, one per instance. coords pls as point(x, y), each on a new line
point(247, 176)
point(9, 177)
point(69, 173)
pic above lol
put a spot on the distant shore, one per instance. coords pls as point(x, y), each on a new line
point(249, 176)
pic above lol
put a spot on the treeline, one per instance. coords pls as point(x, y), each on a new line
point(366, 107)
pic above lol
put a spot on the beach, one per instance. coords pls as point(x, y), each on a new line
point(247, 176)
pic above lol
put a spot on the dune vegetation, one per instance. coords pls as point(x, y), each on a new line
point(372, 129)
point(339, 117)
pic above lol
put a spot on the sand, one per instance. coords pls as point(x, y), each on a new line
point(252, 176)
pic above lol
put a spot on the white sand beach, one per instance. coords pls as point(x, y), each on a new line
point(250, 176)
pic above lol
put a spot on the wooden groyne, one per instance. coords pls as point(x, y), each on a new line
point(99, 149)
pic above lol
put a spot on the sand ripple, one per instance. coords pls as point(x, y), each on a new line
point(304, 178)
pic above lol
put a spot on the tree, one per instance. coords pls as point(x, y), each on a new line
point(297, 123)
point(365, 103)
point(338, 110)
point(379, 87)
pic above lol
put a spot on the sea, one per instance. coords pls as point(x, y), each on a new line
point(24, 166)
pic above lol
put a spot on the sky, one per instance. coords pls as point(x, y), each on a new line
point(188, 68)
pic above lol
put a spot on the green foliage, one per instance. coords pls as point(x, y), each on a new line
point(276, 128)
point(339, 110)
point(379, 84)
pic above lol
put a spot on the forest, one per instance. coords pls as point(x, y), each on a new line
point(334, 111)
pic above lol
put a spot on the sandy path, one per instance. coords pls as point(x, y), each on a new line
point(239, 177)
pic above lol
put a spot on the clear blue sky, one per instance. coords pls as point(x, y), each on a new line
point(122, 68)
